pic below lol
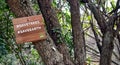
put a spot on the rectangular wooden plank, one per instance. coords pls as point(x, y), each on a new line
point(29, 29)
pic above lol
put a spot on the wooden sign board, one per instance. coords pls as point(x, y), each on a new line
point(29, 29)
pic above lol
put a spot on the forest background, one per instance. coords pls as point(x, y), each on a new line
point(79, 32)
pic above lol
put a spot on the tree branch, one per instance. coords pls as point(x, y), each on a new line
point(116, 8)
point(99, 17)
point(96, 37)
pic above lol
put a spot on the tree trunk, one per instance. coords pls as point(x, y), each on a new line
point(77, 31)
point(107, 42)
point(54, 29)
point(107, 48)
point(49, 53)
point(46, 48)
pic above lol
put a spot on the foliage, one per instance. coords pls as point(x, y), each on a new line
point(5, 28)
point(10, 53)
point(14, 54)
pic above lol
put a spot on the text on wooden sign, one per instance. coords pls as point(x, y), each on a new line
point(29, 29)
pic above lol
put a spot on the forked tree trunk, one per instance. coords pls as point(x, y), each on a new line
point(107, 42)
point(46, 48)
point(107, 30)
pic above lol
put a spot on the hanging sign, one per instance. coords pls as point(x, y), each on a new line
point(29, 29)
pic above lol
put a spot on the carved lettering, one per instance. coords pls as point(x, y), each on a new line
point(29, 29)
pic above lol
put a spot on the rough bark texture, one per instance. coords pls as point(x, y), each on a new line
point(54, 28)
point(49, 53)
point(21, 8)
point(51, 20)
point(107, 42)
point(78, 37)
point(46, 48)
point(107, 48)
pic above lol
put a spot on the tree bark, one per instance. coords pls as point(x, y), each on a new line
point(54, 28)
point(46, 48)
point(77, 31)
point(107, 42)
point(49, 53)
point(21, 8)
point(107, 48)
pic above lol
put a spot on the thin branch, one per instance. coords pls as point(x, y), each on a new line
point(96, 36)
point(116, 8)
